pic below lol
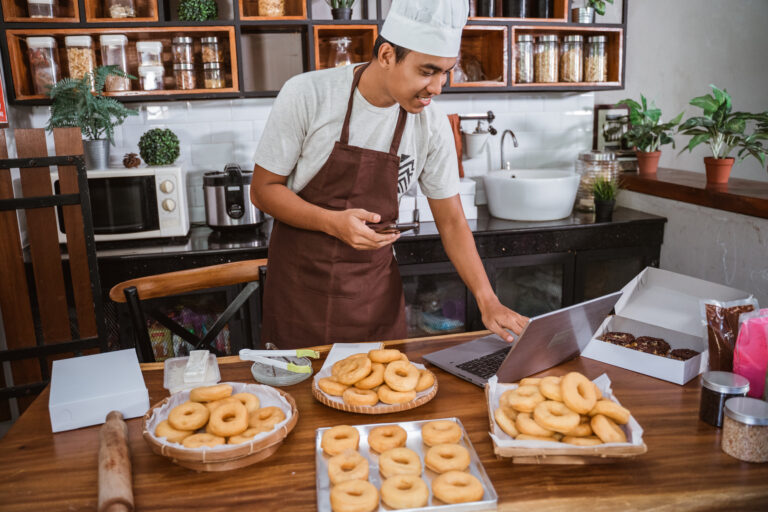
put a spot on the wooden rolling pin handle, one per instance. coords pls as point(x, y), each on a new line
point(115, 481)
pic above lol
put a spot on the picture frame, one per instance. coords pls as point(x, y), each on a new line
point(610, 122)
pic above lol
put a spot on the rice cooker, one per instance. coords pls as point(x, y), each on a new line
point(228, 199)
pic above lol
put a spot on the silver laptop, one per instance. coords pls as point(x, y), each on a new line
point(546, 341)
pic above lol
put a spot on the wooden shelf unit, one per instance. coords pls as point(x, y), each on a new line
point(488, 46)
point(146, 12)
point(15, 11)
point(360, 49)
point(561, 13)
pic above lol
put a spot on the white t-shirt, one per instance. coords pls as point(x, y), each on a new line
point(307, 117)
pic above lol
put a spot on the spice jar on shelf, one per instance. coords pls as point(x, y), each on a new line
point(211, 50)
point(571, 53)
point(524, 59)
point(745, 429)
point(151, 77)
point(596, 60)
point(271, 8)
point(113, 53)
point(80, 56)
point(339, 54)
point(42, 8)
point(43, 63)
point(185, 76)
point(182, 50)
point(545, 69)
point(150, 53)
point(213, 76)
point(120, 8)
point(589, 166)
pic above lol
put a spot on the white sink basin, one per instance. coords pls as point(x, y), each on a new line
point(531, 194)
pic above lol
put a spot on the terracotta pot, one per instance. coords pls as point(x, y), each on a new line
point(604, 210)
point(647, 163)
point(718, 169)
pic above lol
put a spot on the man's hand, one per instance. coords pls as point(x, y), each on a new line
point(350, 227)
point(497, 317)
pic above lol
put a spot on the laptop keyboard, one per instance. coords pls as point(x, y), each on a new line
point(485, 367)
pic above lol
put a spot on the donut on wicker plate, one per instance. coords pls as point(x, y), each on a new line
point(188, 416)
point(266, 418)
point(229, 420)
point(210, 393)
point(201, 440)
point(392, 397)
point(579, 393)
point(375, 378)
point(164, 429)
point(401, 376)
point(354, 396)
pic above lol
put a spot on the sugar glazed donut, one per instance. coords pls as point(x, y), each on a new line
point(442, 458)
point(375, 378)
point(457, 487)
point(339, 438)
point(523, 398)
point(392, 397)
point(399, 461)
point(210, 393)
point(188, 416)
point(578, 392)
point(164, 429)
point(386, 437)
point(266, 418)
point(404, 491)
point(440, 432)
point(401, 376)
point(228, 420)
point(203, 440)
point(348, 465)
point(556, 416)
point(354, 496)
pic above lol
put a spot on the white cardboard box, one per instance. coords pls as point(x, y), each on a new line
point(661, 304)
point(84, 389)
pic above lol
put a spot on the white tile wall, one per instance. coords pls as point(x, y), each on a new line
point(551, 130)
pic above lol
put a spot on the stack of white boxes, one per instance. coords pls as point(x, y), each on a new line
point(415, 198)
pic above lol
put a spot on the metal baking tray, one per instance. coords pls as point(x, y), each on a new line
point(413, 429)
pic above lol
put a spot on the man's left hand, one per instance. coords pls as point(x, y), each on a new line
point(497, 318)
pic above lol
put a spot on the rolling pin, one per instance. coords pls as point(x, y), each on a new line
point(115, 481)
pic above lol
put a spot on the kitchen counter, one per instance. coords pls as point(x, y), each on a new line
point(684, 468)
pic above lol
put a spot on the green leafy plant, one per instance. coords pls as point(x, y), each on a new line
point(76, 103)
point(198, 10)
point(341, 4)
point(605, 189)
point(598, 5)
point(646, 133)
point(159, 146)
point(725, 130)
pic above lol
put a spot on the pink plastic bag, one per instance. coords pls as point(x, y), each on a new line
point(751, 355)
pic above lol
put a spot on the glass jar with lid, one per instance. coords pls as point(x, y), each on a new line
point(745, 429)
point(524, 59)
point(339, 54)
point(43, 63)
point(182, 50)
point(151, 77)
point(80, 56)
point(546, 59)
point(113, 53)
point(185, 76)
point(589, 166)
point(596, 60)
point(150, 53)
point(571, 53)
point(716, 389)
point(271, 8)
point(213, 76)
point(120, 8)
point(42, 8)
point(211, 49)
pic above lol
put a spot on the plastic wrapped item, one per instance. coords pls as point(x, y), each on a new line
point(182, 50)
point(722, 323)
point(745, 429)
point(716, 389)
point(42, 8)
point(80, 56)
point(174, 379)
point(524, 59)
point(750, 357)
point(43, 63)
point(547, 57)
point(213, 76)
point(571, 52)
point(151, 77)
point(150, 53)
point(120, 8)
point(113, 53)
point(596, 60)
point(211, 50)
point(185, 76)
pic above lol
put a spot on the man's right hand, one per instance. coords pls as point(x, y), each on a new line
point(350, 226)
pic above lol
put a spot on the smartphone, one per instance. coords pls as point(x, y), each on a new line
point(400, 227)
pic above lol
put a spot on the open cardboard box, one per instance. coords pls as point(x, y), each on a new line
point(661, 304)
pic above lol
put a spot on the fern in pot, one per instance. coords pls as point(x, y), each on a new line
point(75, 105)
point(604, 190)
point(647, 134)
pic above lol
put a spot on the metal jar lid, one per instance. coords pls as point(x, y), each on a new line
point(184, 67)
point(525, 38)
point(209, 39)
point(726, 383)
point(182, 40)
point(749, 411)
point(212, 65)
point(573, 39)
point(549, 38)
point(597, 156)
point(596, 39)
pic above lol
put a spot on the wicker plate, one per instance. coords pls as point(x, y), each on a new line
point(238, 456)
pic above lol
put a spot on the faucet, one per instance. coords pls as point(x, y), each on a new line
point(507, 165)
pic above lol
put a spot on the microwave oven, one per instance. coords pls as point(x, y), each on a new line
point(138, 203)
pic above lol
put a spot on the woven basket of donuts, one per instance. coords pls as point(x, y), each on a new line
point(381, 381)
point(561, 419)
point(211, 438)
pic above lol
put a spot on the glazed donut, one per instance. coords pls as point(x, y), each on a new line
point(266, 418)
point(582, 430)
point(354, 496)
point(399, 461)
point(578, 392)
point(389, 396)
point(440, 432)
point(426, 380)
point(164, 429)
point(200, 440)
point(457, 487)
point(188, 416)
point(384, 355)
point(550, 388)
point(386, 437)
point(607, 430)
point(350, 370)
point(530, 381)
point(582, 441)
point(229, 420)
point(348, 465)
point(339, 438)
point(523, 399)
point(212, 406)
point(442, 458)
point(330, 386)
point(401, 376)
point(527, 425)
point(404, 491)
point(505, 423)
point(528, 437)
point(354, 396)
point(556, 416)
point(210, 393)
point(375, 378)
point(246, 436)
point(249, 400)
point(612, 410)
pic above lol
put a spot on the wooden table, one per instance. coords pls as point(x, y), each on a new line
point(683, 469)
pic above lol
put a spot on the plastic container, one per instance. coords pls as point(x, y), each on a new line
point(113, 53)
point(185, 76)
point(339, 54)
point(173, 376)
point(150, 53)
point(211, 50)
point(213, 76)
point(571, 58)
point(42, 8)
point(716, 389)
point(524, 59)
point(80, 56)
point(182, 50)
point(745, 429)
point(546, 59)
point(120, 8)
point(596, 60)
point(151, 77)
point(43, 63)
point(589, 166)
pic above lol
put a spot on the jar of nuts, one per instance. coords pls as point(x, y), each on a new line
point(571, 51)
point(80, 56)
point(120, 8)
point(213, 75)
point(43, 63)
point(596, 60)
point(545, 69)
point(185, 76)
point(745, 429)
point(211, 49)
point(589, 166)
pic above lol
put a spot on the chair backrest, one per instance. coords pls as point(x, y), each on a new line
point(50, 299)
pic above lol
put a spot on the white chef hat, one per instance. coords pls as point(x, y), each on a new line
point(427, 26)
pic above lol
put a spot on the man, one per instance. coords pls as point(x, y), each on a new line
point(338, 150)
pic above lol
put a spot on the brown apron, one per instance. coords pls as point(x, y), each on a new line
point(319, 290)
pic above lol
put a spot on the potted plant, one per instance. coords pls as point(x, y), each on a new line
point(341, 9)
point(646, 135)
point(76, 104)
point(159, 146)
point(198, 10)
point(586, 13)
point(724, 131)
point(604, 191)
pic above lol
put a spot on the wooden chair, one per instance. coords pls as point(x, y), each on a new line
point(132, 292)
point(50, 299)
